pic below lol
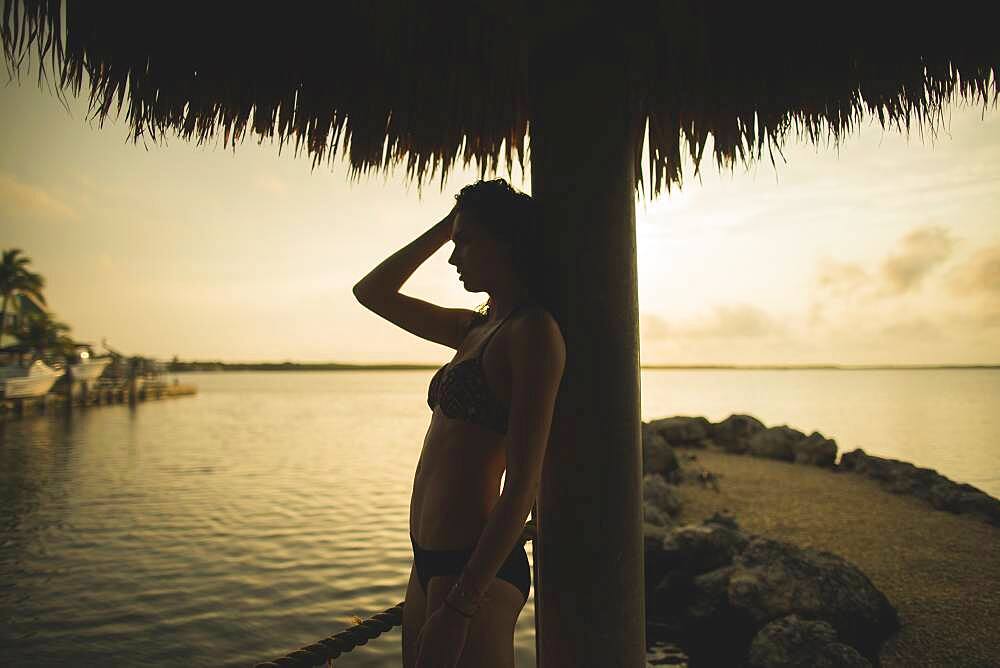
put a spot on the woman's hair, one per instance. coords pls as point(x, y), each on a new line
point(512, 217)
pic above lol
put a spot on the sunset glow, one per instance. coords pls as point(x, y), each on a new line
point(886, 251)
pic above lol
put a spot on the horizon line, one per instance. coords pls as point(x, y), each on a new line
point(332, 366)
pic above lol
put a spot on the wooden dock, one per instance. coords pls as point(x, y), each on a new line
point(81, 396)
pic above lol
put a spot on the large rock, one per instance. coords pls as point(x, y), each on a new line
point(902, 477)
point(659, 494)
point(773, 579)
point(737, 434)
point(720, 588)
point(654, 561)
point(733, 434)
point(776, 443)
point(657, 455)
point(653, 516)
point(965, 499)
point(816, 450)
point(791, 642)
point(681, 554)
point(689, 432)
point(698, 548)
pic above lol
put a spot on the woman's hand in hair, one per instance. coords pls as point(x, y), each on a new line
point(444, 225)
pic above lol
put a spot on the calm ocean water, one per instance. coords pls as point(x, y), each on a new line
point(256, 517)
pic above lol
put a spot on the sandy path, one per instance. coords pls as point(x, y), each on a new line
point(941, 571)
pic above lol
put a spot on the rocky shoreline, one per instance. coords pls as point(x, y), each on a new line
point(746, 435)
point(768, 594)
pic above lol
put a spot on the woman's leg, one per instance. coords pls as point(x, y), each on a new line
point(413, 618)
point(490, 642)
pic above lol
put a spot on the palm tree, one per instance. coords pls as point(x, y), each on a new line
point(15, 278)
point(43, 333)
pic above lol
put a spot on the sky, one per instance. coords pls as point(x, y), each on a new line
point(882, 250)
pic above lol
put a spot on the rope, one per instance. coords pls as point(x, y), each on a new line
point(331, 648)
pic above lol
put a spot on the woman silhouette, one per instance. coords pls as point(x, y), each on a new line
point(491, 413)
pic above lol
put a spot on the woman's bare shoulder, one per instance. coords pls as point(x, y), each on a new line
point(537, 340)
point(535, 320)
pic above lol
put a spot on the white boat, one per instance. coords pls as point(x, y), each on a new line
point(20, 382)
point(86, 367)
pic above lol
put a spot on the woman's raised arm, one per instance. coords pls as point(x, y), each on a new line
point(379, 292)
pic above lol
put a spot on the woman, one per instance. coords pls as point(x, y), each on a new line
point(491, 412)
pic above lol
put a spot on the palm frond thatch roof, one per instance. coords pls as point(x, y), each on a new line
point(387, 82)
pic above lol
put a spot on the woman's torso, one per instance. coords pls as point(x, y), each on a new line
point(457, 481)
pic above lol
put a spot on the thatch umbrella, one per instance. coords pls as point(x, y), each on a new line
point(387, 82)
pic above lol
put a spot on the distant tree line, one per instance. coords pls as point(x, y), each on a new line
point(177, 365)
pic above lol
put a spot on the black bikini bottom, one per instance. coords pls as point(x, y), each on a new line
point(429, 563)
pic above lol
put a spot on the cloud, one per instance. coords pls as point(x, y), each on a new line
point(17, 198)
point(921, 250)
point(914, 328)
point(815, 317)
point(989, 319)
point(979, 275)
point(734, 321)
point(841, 278)
point(653, 327)
point(978, 278)
point(846, 305)
point(272, 184)
point(902, 271)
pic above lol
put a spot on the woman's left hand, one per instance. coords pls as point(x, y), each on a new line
point(441, 639)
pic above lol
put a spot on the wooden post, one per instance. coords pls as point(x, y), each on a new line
point(590, 607)
point(68, 378)
point(132, 373)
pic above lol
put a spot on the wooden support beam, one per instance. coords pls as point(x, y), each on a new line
point(589, 573)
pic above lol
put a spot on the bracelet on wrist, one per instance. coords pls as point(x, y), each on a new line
point(461, 595)
point(465, 606)
point(451, 605)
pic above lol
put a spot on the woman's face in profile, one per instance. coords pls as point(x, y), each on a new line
point(477, 255)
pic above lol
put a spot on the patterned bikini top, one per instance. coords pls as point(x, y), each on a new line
point(463, 393)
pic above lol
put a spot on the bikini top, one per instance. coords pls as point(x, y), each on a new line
point(462, 391)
